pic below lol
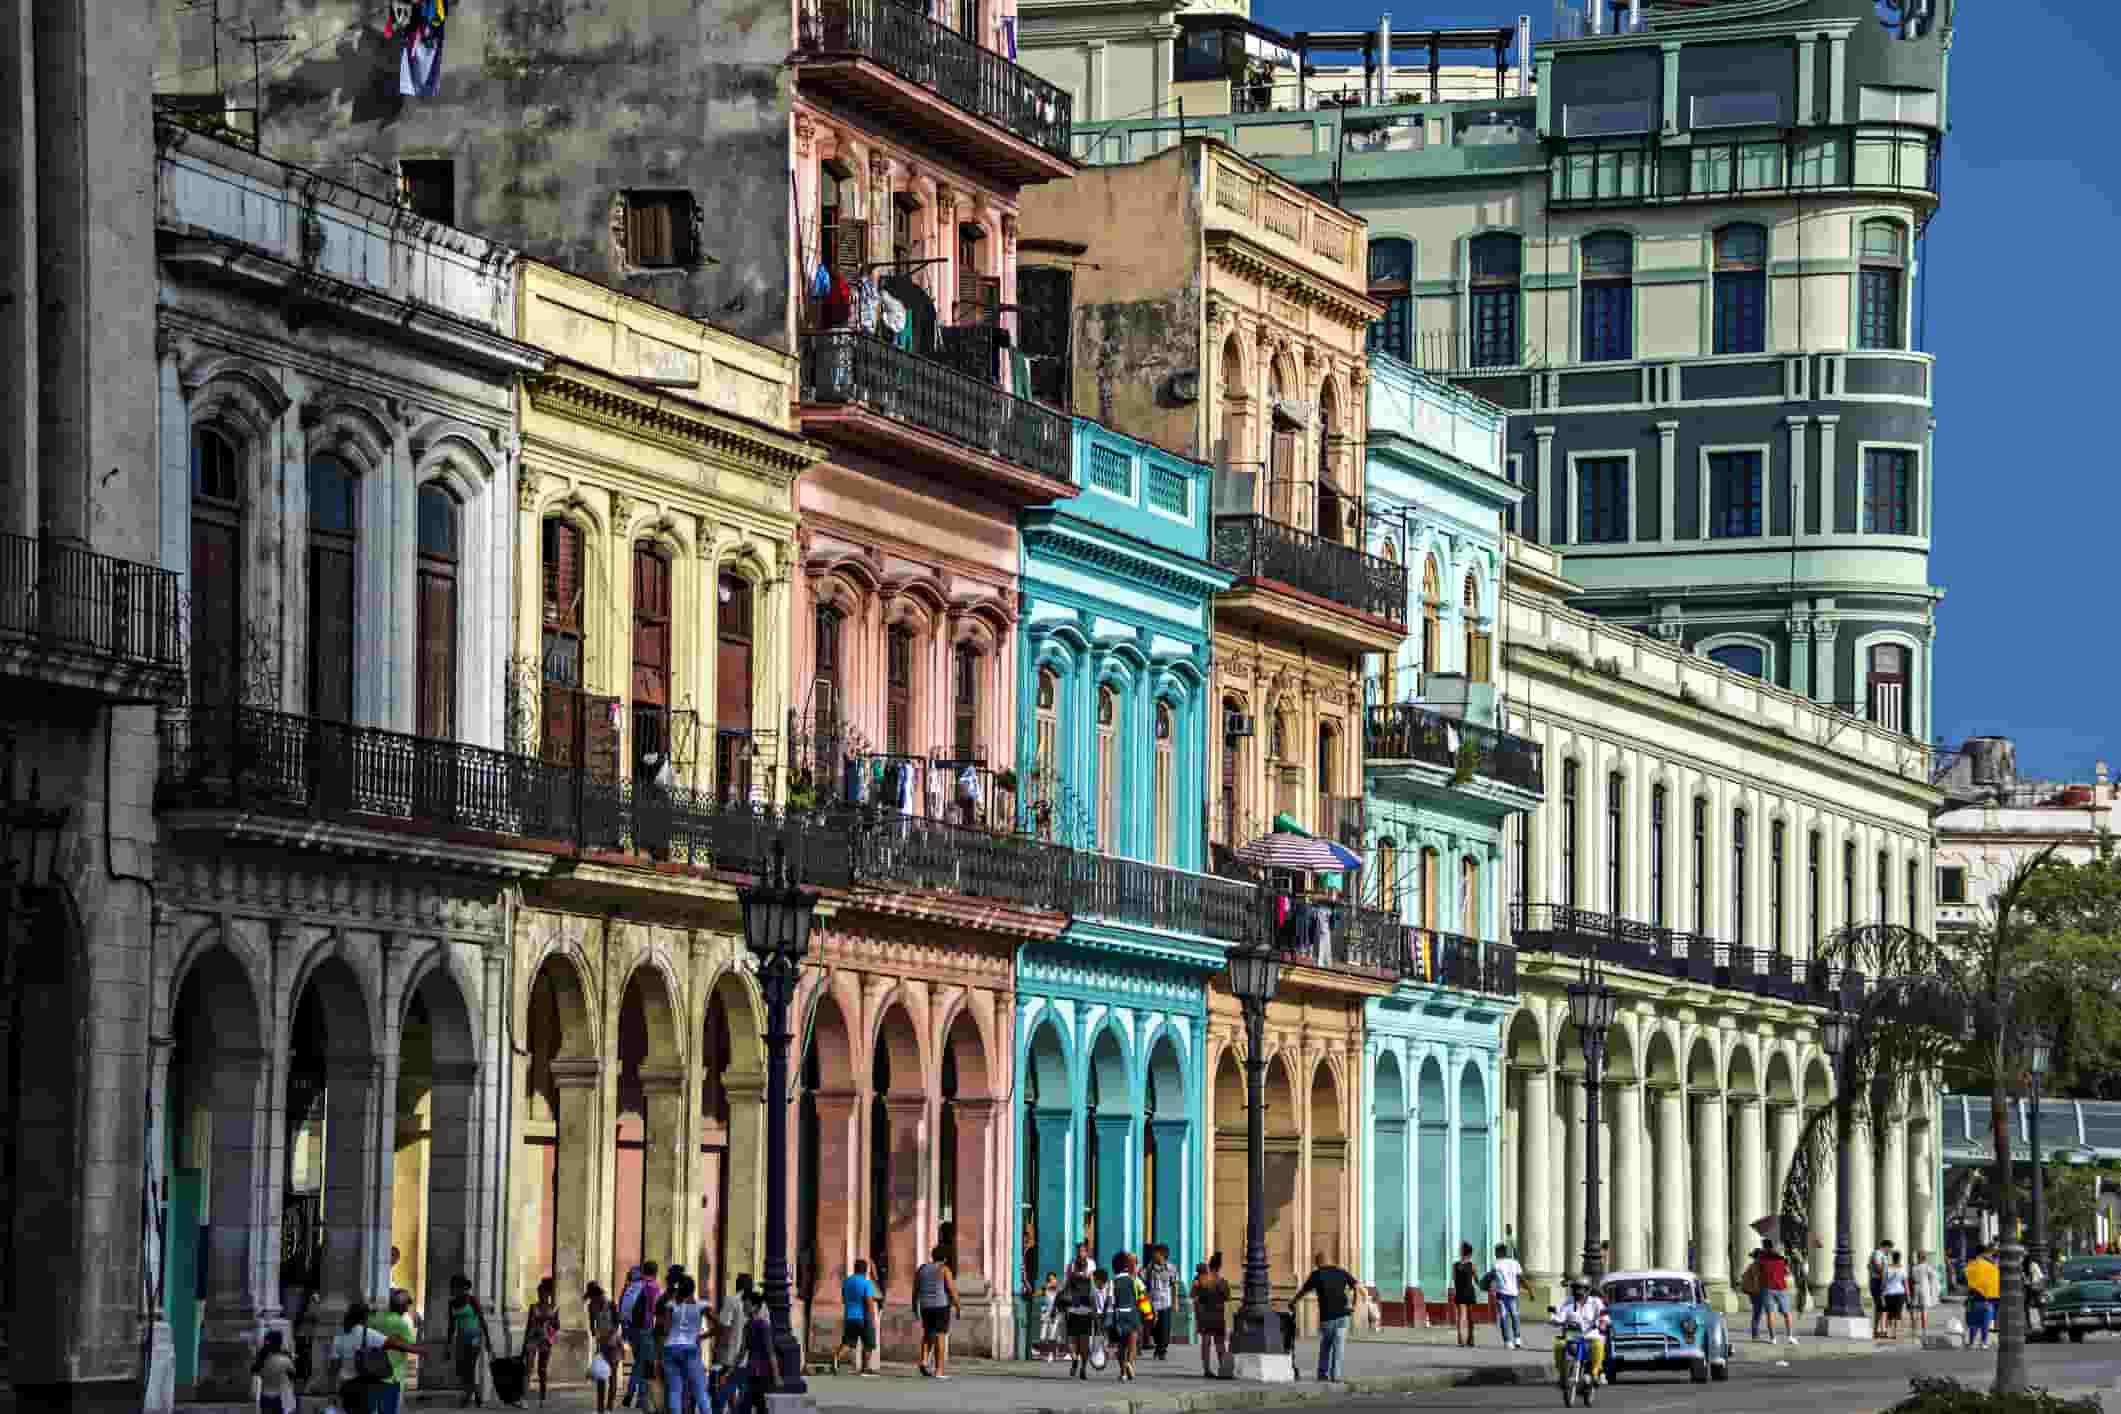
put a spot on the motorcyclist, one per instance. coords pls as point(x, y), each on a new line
point(1585, 1309)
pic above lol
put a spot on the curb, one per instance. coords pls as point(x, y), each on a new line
point(1306, 1391)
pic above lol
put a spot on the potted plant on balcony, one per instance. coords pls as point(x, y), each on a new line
point(1465, 763)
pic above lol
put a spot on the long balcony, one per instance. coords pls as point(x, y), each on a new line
point(994, 114)
point(1448, 752)
point(1294, 583)
point(1369, 944)
point(1690, 957)
point(875, 398)
point(75, 619)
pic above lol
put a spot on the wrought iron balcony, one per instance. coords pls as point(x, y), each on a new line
point(932, 58)
point(1403, 731)
point(277, 763)
point(1258, 549)
point(1154, 896)
point(85, 620)
point(878, 398)
point(1354, 939)
point(1454, 960)
point(1673, 952)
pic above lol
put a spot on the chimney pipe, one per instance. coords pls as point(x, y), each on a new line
point(1524, 55)
point(1384, 59)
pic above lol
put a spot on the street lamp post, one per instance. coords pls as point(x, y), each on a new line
point(2040, 1045)
point(1591, 1008)
point(1255, 972)
point(1844, 1300)
point(777, 914)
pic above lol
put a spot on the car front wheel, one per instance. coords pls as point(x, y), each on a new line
point(1720, 1371)
point(2077, 1337)
point(1699, 1372)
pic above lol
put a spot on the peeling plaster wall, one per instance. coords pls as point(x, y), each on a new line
point(1137, 302)
point(549, 111)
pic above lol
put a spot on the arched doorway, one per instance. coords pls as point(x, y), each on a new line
point(1666, 1172)
point(1388, 1189)
point(1166, 1152)
point(828, 1129)
point(1284, 1164)
point(559, 1138)
point(967, 1126)
point(1229, 1199)
point(731, 1160)
point(432, 1232)
point(1474, 1162)
point(1432, 1170)
point(325, 1218)
point(1049, 1118)
point(1329, 1168)
point(1109, 1142)
point(647, 1157)
point(897, 1142)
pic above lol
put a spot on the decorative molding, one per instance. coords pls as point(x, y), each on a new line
point(805, 134)
point(622, 512)
point(527, 492)
point(774, 457)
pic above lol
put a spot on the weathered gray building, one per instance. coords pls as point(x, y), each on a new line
point(644, 146)
point(337, 474)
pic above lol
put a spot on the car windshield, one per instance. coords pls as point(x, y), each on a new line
point(2092, 1269)
point(1634, 1289)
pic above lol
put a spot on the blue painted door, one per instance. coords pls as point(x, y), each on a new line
point(180, 1269)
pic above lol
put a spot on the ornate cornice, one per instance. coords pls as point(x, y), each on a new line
point(1058, 543)
point(1245, 261)
point(584, 396)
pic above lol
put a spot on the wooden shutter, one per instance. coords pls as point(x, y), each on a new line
point(563, 724)
point(331, 630)
point(214, 617)
point(850, 248)
point(437, 653)
point(651, 627)
point(732, 686)
point(563, 575)
point(1479, 650)
point(651, 238)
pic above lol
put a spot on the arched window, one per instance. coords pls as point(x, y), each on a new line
point(1477, 649)
point(1741, 289)
point(1108, 837)
point(1701, 865)
point(825, 676)
point(563, 645)
point(1881, 287)
point(898, 690)
point(333, 530)
point(216, 570)
point(1166, 786)
point(733, 685)
point(1392, 285)
point(1326, 513)
point(1778, 933)
point(1328, 822)
point(1431, 618)
point(436, 667)
point(1886, 690)
point(1738, 847)
point(651, 660)
point(1744, 658)
point(1282, 457)
point(1230, 796)
point(1236, 497)
point(843, 237)
point(1608, 297)
point(1278, 740)
point(1429, 884)
point(1497, 261)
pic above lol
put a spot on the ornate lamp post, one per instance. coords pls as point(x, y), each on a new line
point(1255, 972)
point(1591, 1009)
point(777, 916)
point(1844, 1300)
point(2040, 1049)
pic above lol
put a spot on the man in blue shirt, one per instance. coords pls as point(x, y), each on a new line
point(864, 1305)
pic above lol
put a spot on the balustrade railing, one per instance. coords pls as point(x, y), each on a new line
point(969, 75)
point(843, 366)
point(1674, 952)
point(1404, 731)
point(67, 597)
point(1152, 896)
point(1256, 547)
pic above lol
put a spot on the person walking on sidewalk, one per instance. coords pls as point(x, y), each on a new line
point(638, 1321)
point(1775, 1291)
point(1895, 1297)
point(1335, 1289)
point(1922, 1291)
point(540, 1328)
point(1880, 1260)
point(1749, 1283)
point(1162, 1280)
point(1984, 1288)
point(1126, 1319)
point(935, 1293)
point(1465, 1294)
point(1211, 1304)
point(858, 1332)
point(1079, 1301)
point(467, 1337)
point(1506, 1284)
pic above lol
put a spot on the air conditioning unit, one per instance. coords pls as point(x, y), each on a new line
point(1236, 725)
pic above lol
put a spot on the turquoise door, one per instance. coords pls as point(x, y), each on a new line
point(1389, 1200)
point(1473, 1166)
point(1432, 1176)
point(180, 1269)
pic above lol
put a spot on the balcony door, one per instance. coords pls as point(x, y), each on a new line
point(651, 661)
point(436, 665)
point(733, 687)
point(216, 570)
point(332, 538)
point(564, 644)
point(1888, 686)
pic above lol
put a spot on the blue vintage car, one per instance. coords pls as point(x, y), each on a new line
point(1662, 1321)
point(2085, 1296)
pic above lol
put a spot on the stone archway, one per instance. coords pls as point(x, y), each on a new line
point(1387, 1265)
point(217, 1143)
point(1622, 1146)
point(552, 1179)
point(1530, 1150)
point(1049, 1123)
point(434, 1163)
point(730, 1171)
point(1432, 1202)
point(648, 1156)
point(1167, 1152)
point(1474, 1161)
point(1228, 1206)
point(327, 1216)
point(828, 1140)
point(1745, 1142)
point(1109, 1146)
point(1709, 1244)
point(1668, 1208)
point(898, 1149)
point(967, 1152)
point(1284, 1176)
point(1328, 1168)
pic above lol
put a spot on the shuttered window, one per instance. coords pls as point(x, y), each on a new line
point(216, 579)
point(651, 626)
point(331, 589)
point(1166, 825)
point(436, 694)
point(562, 566)
point(967, 702)
point(659, 229)
point(1107, 771)
point(733, 646)
point(825, 682)
point(898, 690)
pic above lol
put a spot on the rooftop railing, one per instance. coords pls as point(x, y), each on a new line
point(66, 597)
point(969, 75)
point(842, 366)
point(1404, 731)
point(1255, 547)
point(1673, 952)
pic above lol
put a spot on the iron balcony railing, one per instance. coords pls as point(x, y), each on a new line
point(1403, 731)
point(1454, 960)
point(1255, 547)
point(1152, 896)
point(1673, 952)
point(970, 76)
point(66, 597)
point(1342, 937)
point(841, 366)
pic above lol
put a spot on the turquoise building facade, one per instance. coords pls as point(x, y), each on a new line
point(1112, 750)
point(1440, 780)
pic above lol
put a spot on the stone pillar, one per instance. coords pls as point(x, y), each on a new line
point(1711, 1197)
point(1785, 1122)
point(978, 1139)
point(1174, 1142)
point(1671, 1177)
point(577, 1082)
point(1819, 1262)
point(1863, 1207)
point(352, 1125)
point(1056, 1205)
point(1573, 1187)
point(452, 1180)
point(1922, 1233)
point(1750, 1200)
point(906, 1116)
point(1118, 1167)
point(1893, 1185)
point(665, 1164)
point(744, 1211)
point(241, 1238)
point(1629, 1189)
point(842, 1175)
point(1535, 1218)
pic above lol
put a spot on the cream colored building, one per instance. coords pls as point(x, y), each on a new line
point(1706, 831)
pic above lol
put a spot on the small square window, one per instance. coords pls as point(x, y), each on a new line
point(430, 188)
point(660, 229)
point(1951, 884)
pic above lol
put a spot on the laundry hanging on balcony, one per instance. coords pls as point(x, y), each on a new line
point(416, 27)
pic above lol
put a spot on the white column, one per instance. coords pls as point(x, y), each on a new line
point(1922, 1189)
point(1535, 1225)
point(1892, 1185)
point(1863, 1215)
point(1787, 1123)
point(1628, 1185)
point(1711, 1196)
point(1671, 1177)
point(1750, 1201)
point(1819, 1261)
point(1573, 1188)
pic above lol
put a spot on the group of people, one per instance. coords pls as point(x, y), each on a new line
point(1903, 1294)
point(1124, 1311)
point(1766, 1284)
point(687, 1356)
point(1502, 1282)
point(370, 1352)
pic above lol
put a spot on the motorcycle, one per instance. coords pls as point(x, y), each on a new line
point(1576, 1380)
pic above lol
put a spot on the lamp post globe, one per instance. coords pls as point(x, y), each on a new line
point(777, 917)
point(1255, 973)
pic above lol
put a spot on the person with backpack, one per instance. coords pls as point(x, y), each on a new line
point(467, 1338)
point(368, 1376)
point(637, 1305)
point(1079, 1302)
point(1128, 1297)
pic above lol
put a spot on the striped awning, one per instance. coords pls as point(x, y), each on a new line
point(1287, 850)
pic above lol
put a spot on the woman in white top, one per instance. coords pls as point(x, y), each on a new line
point(684, 1369)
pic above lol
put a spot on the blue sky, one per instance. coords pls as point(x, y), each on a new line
point(2016, 315)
